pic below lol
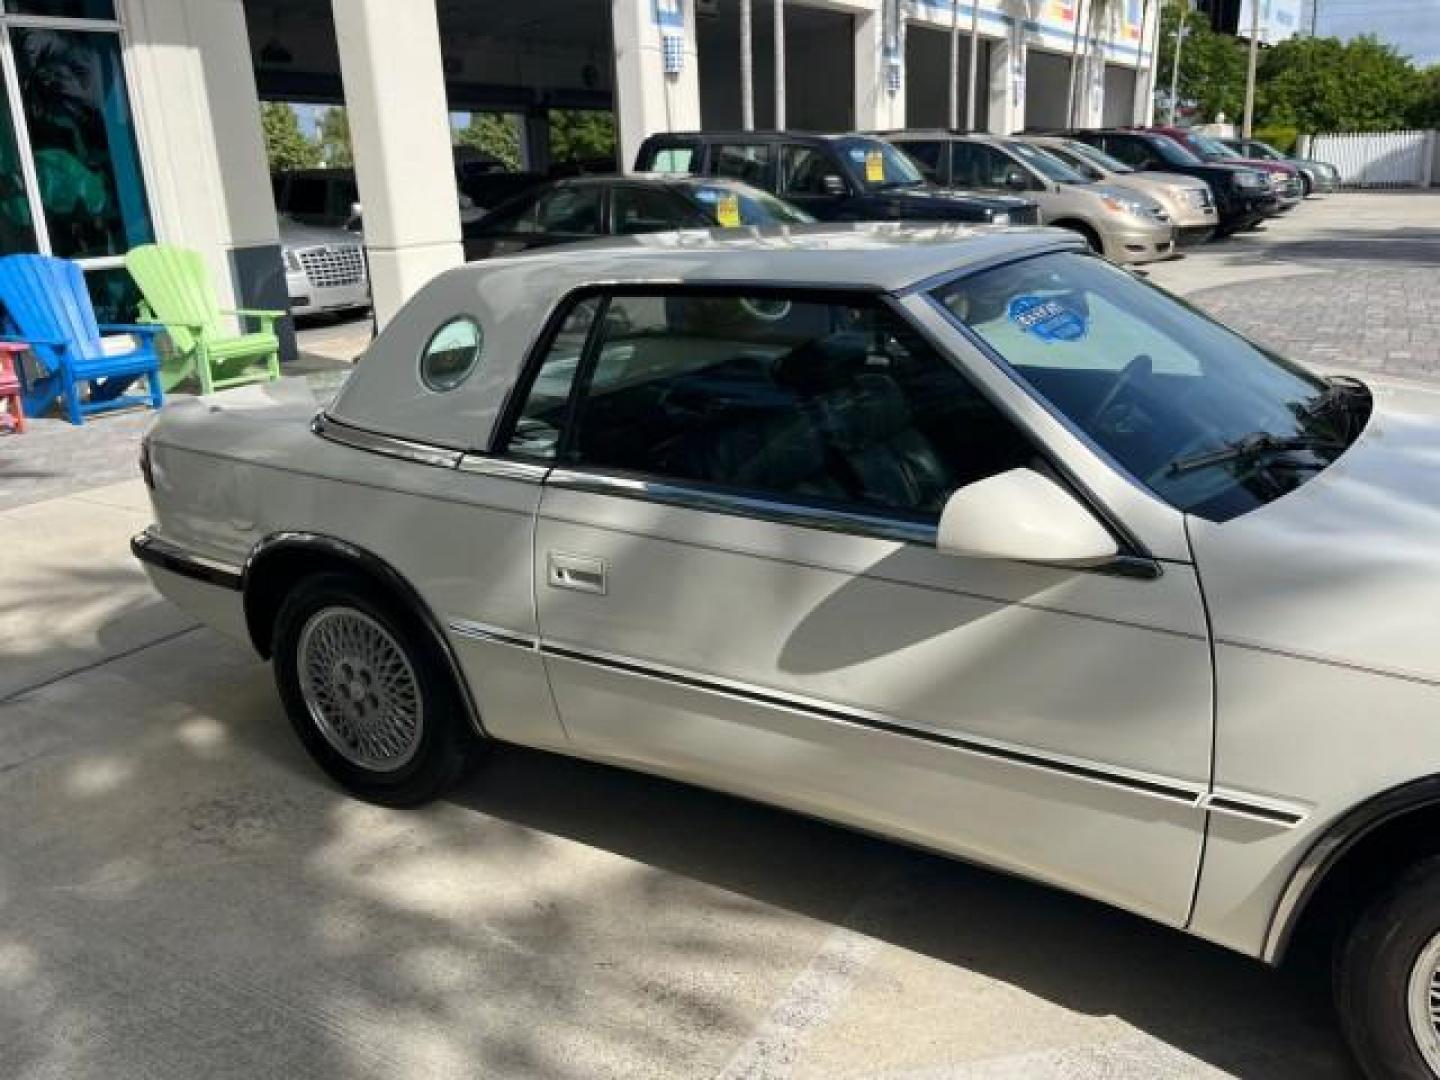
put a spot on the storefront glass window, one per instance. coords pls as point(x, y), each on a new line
point(82, 136)
point(17, 226)
point(69, 9)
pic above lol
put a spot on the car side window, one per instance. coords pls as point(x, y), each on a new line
point(516, 216)
point(979, 166)
point(749, 162)
point(833, 402)
point(1131, 151)
point(673, 159)
point(541, 419)
point(642, 210)
point(570, 210)
point(927, 155)
point(803, 170)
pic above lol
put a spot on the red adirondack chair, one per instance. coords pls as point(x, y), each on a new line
point(12, 405)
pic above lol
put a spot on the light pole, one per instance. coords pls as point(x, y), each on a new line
point(1181, 30)
point(1250, 74)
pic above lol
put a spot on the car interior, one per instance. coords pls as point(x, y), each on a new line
point(807, 400)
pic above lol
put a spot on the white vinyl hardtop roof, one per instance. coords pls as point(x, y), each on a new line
point(513, 297)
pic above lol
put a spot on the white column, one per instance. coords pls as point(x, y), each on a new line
point(400, 133)
point(1090, 100)
point(877, 106)
point(647, 99)
point(1144, 112)
point(192, 87)
point(1007, 82)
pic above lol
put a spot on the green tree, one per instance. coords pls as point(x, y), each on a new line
point(335, 138)
point(286, 146)
point(576, 134)
point(1212, 66)
point(1425, 113)
point(495, 134)
point(1324, 84)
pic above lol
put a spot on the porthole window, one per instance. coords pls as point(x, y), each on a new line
point(451, 354)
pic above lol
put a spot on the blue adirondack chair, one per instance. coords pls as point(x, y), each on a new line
point(48, 309)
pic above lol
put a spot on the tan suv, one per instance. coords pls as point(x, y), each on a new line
point(1187, 199)
point(1124, 225)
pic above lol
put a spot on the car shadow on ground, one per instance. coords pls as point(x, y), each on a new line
point(1217, 1006)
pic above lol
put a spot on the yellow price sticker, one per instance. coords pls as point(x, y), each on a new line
point(727, 211)
point(874, 167)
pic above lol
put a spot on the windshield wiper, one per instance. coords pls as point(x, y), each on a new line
point(1249, 448)
point(1341, 395)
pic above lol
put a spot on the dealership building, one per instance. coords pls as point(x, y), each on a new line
point(126, 121)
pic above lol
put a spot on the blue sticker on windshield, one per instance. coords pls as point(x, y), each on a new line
point(706, 194)
point(1048, 317)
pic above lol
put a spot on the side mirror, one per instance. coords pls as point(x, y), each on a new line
point(1016, 180)
point(833, 185)
point(1023, 516)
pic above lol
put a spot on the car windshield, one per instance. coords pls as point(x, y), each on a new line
point(1051, 168)
point(1265, 152)
point(877, 164)
point(1098, 156)
point(1172, 151)
point(732, 205)
point(1209, 422)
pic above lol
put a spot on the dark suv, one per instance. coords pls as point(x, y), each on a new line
point(1243, 195)
point(832, 177)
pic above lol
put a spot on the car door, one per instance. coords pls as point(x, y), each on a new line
point(737, 584)
point(560, 214)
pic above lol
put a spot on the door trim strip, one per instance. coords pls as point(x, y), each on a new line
point(477, 631)
point(1196, 794)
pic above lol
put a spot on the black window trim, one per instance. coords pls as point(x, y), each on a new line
point(1134, 560)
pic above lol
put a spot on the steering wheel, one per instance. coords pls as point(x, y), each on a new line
point(1140, 367)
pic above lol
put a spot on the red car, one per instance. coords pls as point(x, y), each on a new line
point(1285, 179)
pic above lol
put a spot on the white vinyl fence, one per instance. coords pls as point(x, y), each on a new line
point(1379, 159)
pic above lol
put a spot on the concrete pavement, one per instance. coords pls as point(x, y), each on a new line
point(183, 895)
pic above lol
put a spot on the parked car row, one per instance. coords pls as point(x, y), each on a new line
point(1134, 195)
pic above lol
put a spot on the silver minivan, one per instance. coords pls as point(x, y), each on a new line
point(1126, 226)
point(1187, 199)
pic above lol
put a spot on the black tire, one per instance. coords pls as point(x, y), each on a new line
point(1373, 970)
point(445, 743)
point(1091, 236)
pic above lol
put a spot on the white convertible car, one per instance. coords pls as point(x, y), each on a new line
point(961, 536)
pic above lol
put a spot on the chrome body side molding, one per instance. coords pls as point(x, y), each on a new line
point(1172, 789)
point(439, 457)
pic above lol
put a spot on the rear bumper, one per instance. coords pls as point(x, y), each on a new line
point(207, 588)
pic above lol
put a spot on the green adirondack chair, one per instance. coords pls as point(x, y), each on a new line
point(179, 295)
